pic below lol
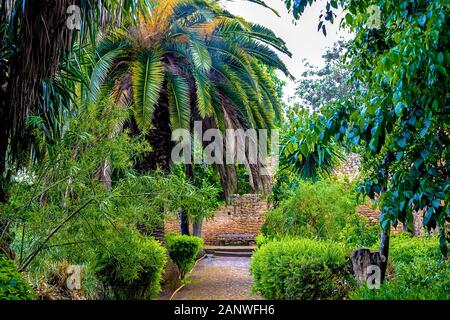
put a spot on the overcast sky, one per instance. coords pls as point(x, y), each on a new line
point(302, 38)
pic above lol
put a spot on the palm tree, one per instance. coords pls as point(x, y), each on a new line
point(190, 60)
point(179, 47)
point(186, 61)
point(34, 44)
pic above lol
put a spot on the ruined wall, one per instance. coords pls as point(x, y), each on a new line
point(244, 216)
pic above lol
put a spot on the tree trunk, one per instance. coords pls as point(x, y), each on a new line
point(160, 139)
point(184, 218)
point(3, 148)
point(384, 250)
point(197, 229)
point(363, 263)
point(184, 223)
point(385, 233)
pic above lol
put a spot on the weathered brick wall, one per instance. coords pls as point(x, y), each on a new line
point(244, 216)
point(350, 168)
point(373, 216)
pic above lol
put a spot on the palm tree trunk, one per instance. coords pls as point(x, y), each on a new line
point(160, 139)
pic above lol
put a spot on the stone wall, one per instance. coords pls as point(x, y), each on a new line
point(372, 216)
point(350, 168)
point(244, 216)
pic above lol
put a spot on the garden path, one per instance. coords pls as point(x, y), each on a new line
point(219, 278)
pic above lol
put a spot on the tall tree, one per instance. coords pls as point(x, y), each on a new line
point(191, 61)
point(400, 54)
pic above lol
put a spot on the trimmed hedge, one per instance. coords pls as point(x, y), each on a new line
point(301, 269)
point(405, 249)
point(183, 250)
point(12, 285)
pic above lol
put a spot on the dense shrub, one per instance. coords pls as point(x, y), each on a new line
point(131, 266)
point(358, 234)
point(12, 285)
point(419, 272)
point(302, 269)
point(325, 210)
point(406, 249)
point(261, 240)
point(422, 279)
point(183, 250)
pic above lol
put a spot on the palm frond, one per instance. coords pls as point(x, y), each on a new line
point(179, 101)
point(104, 57)
point(203, 94)
point(147, 78)
point(200, 56)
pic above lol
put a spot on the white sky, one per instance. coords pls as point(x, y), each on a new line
point(302, 38)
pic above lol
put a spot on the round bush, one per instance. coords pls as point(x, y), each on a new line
point(131, 266)
point(12, 285)
point(183, 250)
point(301, 269)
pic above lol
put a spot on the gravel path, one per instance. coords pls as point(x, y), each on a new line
point(219, 278)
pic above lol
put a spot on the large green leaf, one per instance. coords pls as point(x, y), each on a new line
point(147, 77)
point(103, 59)
point(179, 101)
point(203, 92)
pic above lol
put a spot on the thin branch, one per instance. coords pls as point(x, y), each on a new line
point(34, 254)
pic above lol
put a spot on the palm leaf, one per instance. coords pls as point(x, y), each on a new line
point(103, 61)
point(203, 93)
point(147, 78)
point(200, 56)
point(179, 101)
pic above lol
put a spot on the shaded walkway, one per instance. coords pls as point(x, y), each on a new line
point(215, 278)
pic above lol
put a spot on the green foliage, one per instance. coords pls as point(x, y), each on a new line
point(421, 280)
point(131, 265)
point(63, 208)
point(284, 187)
point(12, 285)
point(399, 117)
point(261, 240)
point(406, 249)
point(317, 88)
point(301, 151)
point(357, 234)
point(183, 250)
point(303, 269)
point(419, 273)
point(325, 209)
